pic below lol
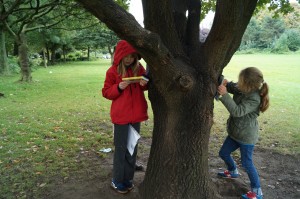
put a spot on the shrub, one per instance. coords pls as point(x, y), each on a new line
point(13, 65)
point(281, 45)
point(293, 37)
point(34, 63)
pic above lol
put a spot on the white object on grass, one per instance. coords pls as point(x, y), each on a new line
point(105, 150)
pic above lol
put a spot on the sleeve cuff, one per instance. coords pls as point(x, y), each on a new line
point(120, 90)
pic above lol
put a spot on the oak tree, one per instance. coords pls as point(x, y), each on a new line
point(184, 73)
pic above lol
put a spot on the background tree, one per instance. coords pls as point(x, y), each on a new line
point(293, 39)
point(97, 37)
point(292, 19)
point(184, 75)
point(251, 38)
point(3, 54)
point(271, 31)
point(23, 17)
point(31, 15)
point(266, 30)
point(5, 11)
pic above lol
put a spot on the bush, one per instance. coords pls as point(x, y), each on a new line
point(36, 62)
point(281, 45)
point(250, 51)
point(13, 65)
point(293, 37)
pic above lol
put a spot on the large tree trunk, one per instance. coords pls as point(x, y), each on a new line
point(3, 54)
point(24, 59)
point(184, 75)
point(178, 162)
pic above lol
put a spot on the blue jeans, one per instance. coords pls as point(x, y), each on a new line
point(246, 150)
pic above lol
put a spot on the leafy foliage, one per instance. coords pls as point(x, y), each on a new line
point(293, 36)
point(275, 34)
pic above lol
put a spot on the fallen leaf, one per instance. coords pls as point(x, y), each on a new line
point(42, 185)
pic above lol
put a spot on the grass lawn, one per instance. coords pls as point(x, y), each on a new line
point(47, 124)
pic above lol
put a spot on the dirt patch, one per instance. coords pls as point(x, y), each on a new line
point(280, 177)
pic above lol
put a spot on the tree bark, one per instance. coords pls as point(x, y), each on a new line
point(4, 70)
point(24, 58)
point(52, 55)
point(45, 59)
point(178, 162)
point(183, 75)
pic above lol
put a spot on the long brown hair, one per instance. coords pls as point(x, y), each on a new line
point(135, 66)
point(250, 80)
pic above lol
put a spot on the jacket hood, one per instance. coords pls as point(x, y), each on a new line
point(123, 49)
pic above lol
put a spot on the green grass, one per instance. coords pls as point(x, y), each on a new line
point(47, 124)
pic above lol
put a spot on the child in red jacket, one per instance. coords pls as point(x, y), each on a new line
point(129, 107)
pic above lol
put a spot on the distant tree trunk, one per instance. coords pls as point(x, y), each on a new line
point(183, 73)
point(111, 52)
point(88, 53)
point(24, 58)
point(52, 56)
point(64, 53)
point(3, 54)
point(48, 54)
point(15, 50)
point(44, 58)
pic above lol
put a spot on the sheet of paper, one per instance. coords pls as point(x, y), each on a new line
point(133, 137)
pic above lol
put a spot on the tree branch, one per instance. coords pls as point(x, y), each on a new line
point(5, 13)
point(10, 30)
point(126, 27)
point(155, 21)
point(179, 13)
point(162, 63)
point(192, 30)
point(231, 20)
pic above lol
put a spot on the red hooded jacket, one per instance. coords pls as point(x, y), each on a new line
point(128, 106)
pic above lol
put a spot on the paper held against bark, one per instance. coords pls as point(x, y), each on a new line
point(133, 137)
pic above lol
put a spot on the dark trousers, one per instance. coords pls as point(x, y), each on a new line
point(124, 163)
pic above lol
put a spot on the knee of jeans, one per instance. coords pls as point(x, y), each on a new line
point(247, 165)
point(222, 154)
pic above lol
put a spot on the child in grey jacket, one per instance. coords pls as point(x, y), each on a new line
point(250, 97)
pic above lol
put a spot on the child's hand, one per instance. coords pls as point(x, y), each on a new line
point(222, 90)
point(143, 82)
point(123, 85)
point(225, 81)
